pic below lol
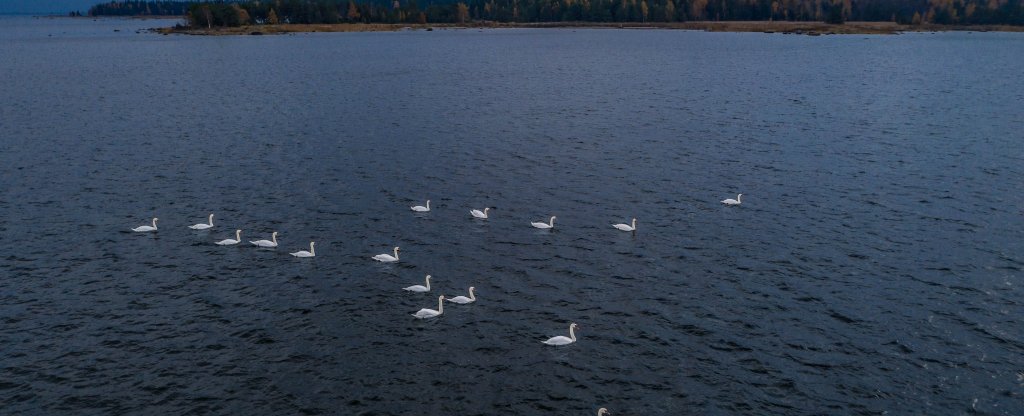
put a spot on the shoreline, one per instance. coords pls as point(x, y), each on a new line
point(785, 27)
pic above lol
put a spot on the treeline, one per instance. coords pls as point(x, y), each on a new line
point(141, 8)
point(218, 13)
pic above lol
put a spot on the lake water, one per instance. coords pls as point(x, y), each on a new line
point(874, 267)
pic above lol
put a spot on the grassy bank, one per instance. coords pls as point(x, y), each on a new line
point(806, 28)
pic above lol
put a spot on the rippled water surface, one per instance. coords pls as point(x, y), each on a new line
point(873, 267)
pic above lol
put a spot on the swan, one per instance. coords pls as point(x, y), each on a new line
point(462, 300)
point(266, 243)
point(544, 226)
point(421, 208)
point(419, 288)
point(146, 228)
point(230, 242)
point(480, 214)
point(387, 258)
point(304, 253)
point(602, 411)
point(430, 313)
point(626, 227)
point(203, 226)
point(562, 340)
point(731, 201)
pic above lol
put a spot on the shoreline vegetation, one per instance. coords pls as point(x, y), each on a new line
point(810, 17)
point(800, 28)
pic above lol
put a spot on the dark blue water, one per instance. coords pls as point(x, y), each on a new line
point(875, 266)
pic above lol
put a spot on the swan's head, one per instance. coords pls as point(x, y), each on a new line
point(238, 233)
point(428, 201)
point(471, 289)
point(428, 277)
point(553, 217)
point(440, 298)
point(602, 411)
point(397, 248)
point(312, 243)
point(155, 219)
point(574, 325)
point(274, 234)
point(211, 216)
point(739, 195)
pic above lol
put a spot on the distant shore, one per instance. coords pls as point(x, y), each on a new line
point(804, 28)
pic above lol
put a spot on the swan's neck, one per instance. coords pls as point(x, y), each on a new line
point(471, 295)
point(154, 222)
point(312, 250)
point(428, 204)
point(396, 254)
point(572, 333)
point(551, 222)
point(238, 235)
point(428, 283)
point(211, 220)
point(440, 305)
point(634, 223)
point(485, 211)
point(739, 198)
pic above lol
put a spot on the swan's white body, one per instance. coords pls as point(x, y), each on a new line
point(419, 288)
point(387, 258)
point(304, 253)
point(421, 208)
point(544, 225)
point(563, 340)
point(462, 300)
point(626, 227)
point(230, 242)
point(480, 214)
point(266, 243)
point(146, 228)
point(430, 313)
point(731, 201)
point(203, 226)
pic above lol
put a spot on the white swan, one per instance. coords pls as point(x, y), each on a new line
point(544, 225)
point(419, 288)
point(562, 340)
point(266, 243)
point(462, 300)
point(146, 228)
point(731, 201)
point(203, 226)
point(480, 214)
point(304, 253)
point(230, 242)
point(430, 313)
point(421, 208)
point(602, 411)
point(387, 258)
point(626, 227)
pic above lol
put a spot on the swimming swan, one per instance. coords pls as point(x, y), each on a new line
point(562, 340)
point(146, 228)
point(602, 411)
point(544, 226)
point(387, 258)
point(230, 242)
point(462, 300)
point(266, 243)
point(304, 253)
point(480, 214)
point(626, 227)
point(421, 208)
point(203, 226)
point(731, 201)
point(430, 313)
point(419, 288)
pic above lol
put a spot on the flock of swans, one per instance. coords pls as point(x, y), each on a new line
point(424, 313)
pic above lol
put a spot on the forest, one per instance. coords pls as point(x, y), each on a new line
point(236, 13)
